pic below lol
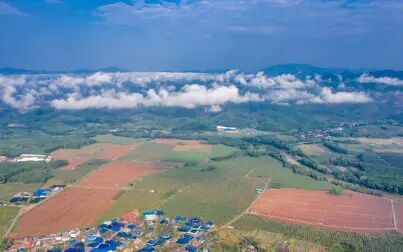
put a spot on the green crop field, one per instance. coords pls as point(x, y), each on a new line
point(271, 168)
point(9, 189)
point(220, 150)
point(218, 198)
point(72, 176)
point(186, 156)
point(7, 215)
point(149, 151)
point(213, 190)
point(116, 139)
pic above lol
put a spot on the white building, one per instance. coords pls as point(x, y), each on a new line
point(225, 129)
point(33, 158)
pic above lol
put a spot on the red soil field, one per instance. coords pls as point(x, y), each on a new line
point(76, 157)
point(119, 173)
point(69, 209)
point(348, 212)
point(114, 151)
point(81, 204)
point(184, 145)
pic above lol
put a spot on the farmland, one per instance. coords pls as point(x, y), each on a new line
point(71, 176)
point(76, 157)
point(350, 211)
point(220, 150)
point(7, 215)
point(80, 204)
point(115, 139)
point(149, 151)
point(184, 178)
point(69, 209)
point(217, 190)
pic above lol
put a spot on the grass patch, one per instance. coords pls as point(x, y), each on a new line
point(109, 138)
point(79, 172)
point(7, 215)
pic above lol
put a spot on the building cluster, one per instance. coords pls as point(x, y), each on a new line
point(146, 232)
point(317, 135)
point(38, 195)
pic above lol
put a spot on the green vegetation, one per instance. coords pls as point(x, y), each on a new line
point(221, 151)
point(5, 244)
point(334, 240)
point(108, 138)
point(336, 191)
point(28, 172)
point(226, 239)
point(149, 151)
point(186, 156)
point(7, 215)
point(40, 144)
point(271, 168)
point(394, 159)
point(79, 172)
point(217, 190)
point(335, 147)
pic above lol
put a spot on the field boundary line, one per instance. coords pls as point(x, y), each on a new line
point(393, 213)
point(250, 205)
point(12, 224)
point(173, 196)
point(208, 154)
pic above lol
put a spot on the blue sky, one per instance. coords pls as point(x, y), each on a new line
point(200, 34)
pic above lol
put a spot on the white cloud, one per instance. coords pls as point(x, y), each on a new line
point(22, 102)
point(327, 96)
point(165, 89)
point(190, 96)
point(6, 9)
point(366, 78)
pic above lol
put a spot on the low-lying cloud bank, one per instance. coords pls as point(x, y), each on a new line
point(366, 78)
point(167, 89)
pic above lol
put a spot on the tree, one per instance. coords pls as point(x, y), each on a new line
point(336, 191)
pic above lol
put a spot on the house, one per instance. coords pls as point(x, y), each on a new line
point(152, 215)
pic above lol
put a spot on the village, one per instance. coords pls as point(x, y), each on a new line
point(135, 231)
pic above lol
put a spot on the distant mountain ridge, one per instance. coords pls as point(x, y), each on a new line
point(9, 71)
point(300, 70)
